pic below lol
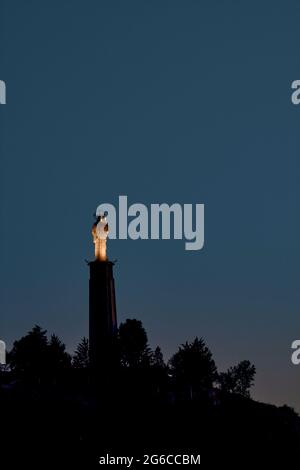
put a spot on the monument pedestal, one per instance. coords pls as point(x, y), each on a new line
point(102, 316)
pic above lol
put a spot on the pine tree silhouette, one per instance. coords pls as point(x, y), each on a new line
point(81, 355)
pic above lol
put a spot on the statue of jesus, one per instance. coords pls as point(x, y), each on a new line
point(100, 234)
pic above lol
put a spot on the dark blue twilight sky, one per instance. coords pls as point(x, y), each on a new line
point(163, 101)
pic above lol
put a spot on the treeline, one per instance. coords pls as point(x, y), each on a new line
point(51, 402)
point(37, 358)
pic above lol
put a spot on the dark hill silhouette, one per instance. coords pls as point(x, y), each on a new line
point(50, 407)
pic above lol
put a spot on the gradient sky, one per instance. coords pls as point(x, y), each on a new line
point(163, 101)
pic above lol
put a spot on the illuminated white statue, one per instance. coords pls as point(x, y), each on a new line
point(100, 234)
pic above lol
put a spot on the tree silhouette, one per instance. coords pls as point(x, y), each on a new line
point(133, 344)
point(58, 358)
point(28, 356)
point(238, 379)
point(159, 370)
point(81, 355)
point(157, 359)
point(193, 366)
point(33, 357)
